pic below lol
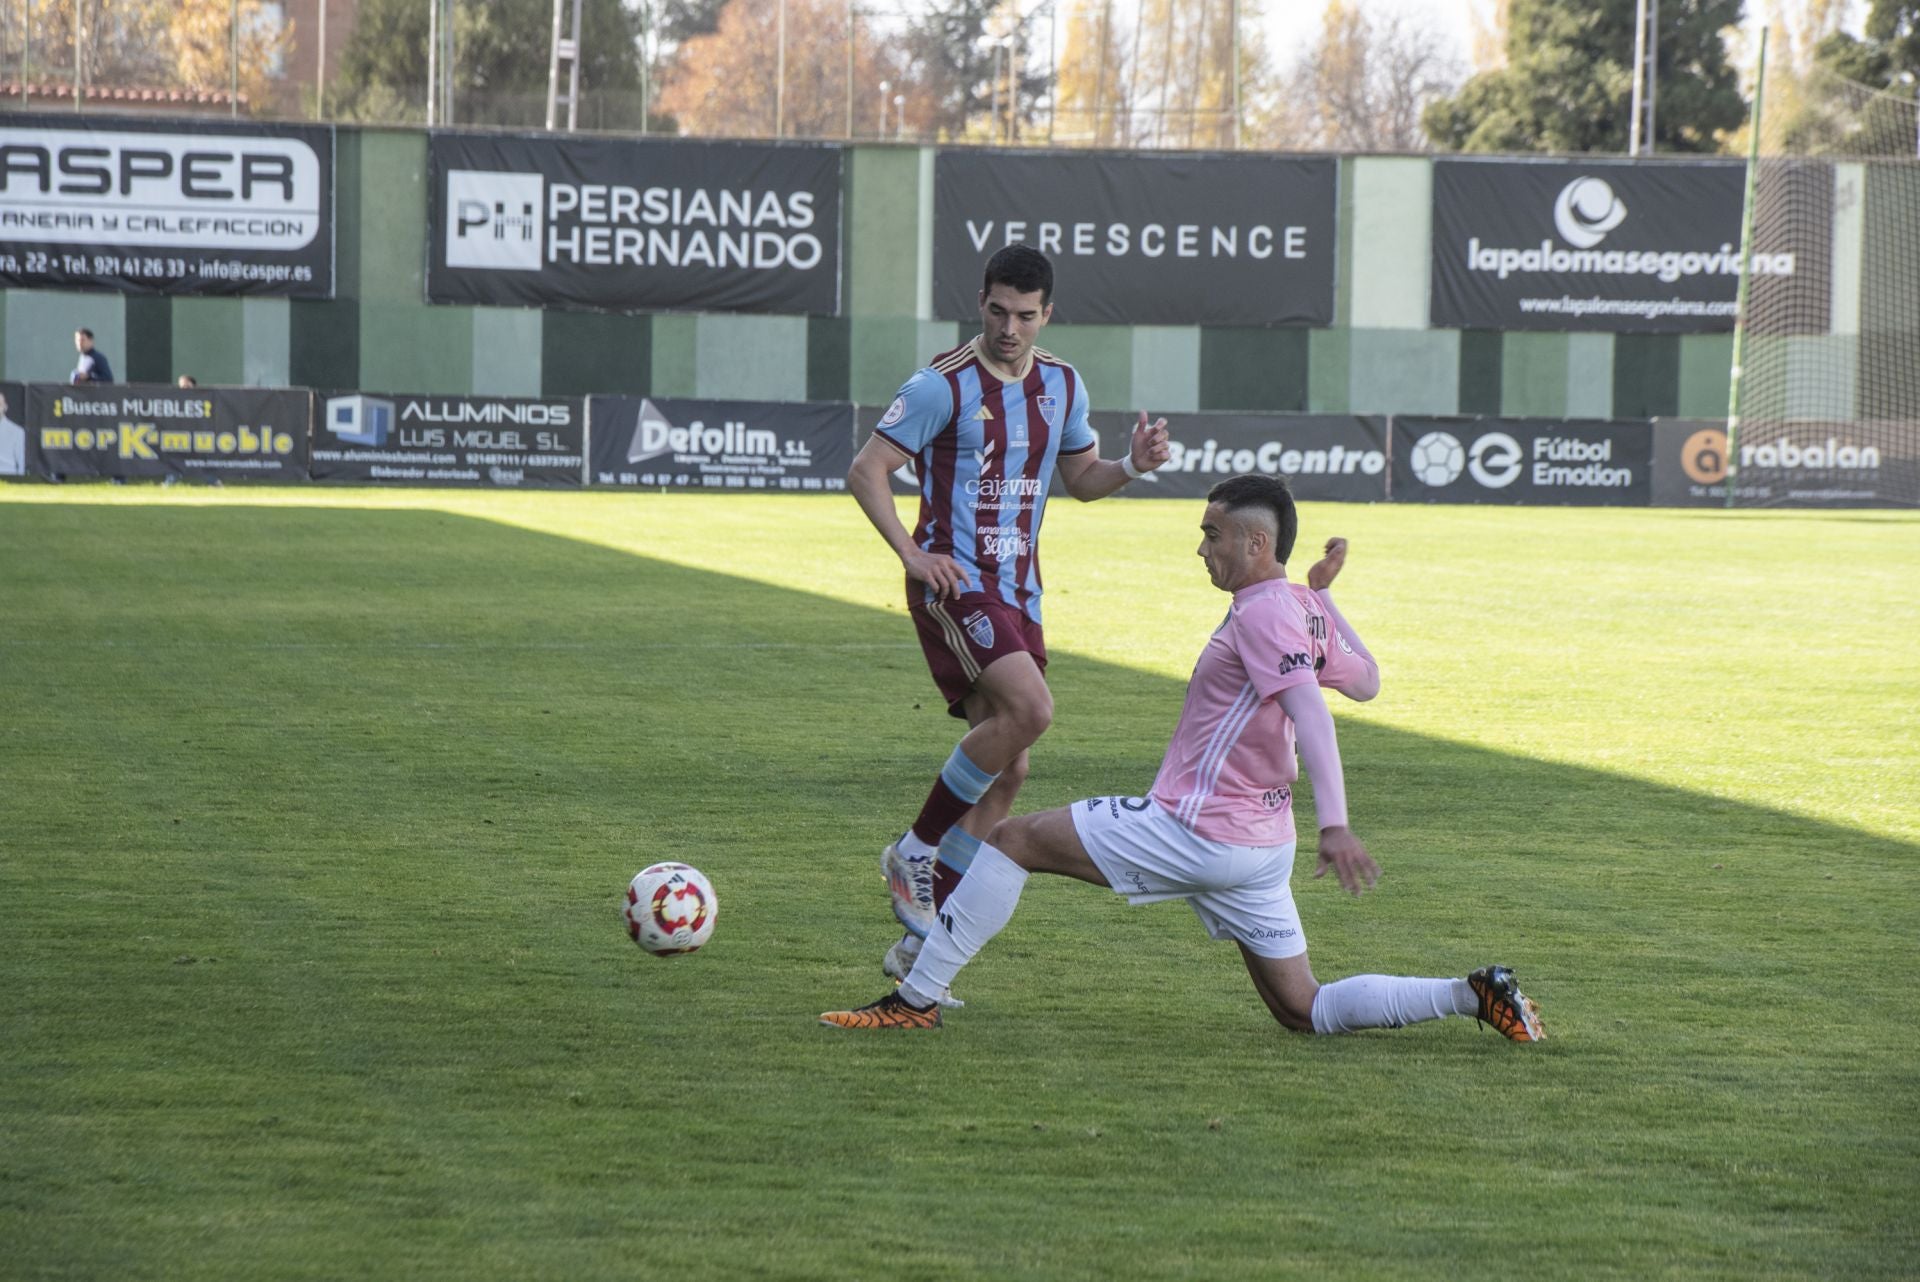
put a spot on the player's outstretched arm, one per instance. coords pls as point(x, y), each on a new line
point(1320, 753)
point(867, 482)
point(1088, 478)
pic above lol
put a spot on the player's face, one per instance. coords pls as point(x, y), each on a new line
point(1233, 547)
point(1010, 321)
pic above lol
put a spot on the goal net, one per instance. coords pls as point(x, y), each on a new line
point(1825, 407)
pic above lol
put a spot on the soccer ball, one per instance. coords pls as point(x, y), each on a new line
point(670, 909)
point(1437, 459)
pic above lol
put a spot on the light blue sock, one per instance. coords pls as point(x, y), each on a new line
point(957, 849)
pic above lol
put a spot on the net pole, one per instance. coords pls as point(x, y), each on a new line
point(1746, 269)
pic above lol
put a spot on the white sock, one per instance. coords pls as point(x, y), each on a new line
point(911, 847)
point(1388, 1001)
point(975, 912)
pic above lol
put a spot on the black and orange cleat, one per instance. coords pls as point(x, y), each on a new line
point(1510, 1011)
point(891, 1011)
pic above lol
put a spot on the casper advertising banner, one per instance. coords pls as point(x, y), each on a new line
point(1143, 240)
point(1787, 464)
point(1613, 245)
point(731, 445)
point(206, 434)
point(1509, 460)
point(634, 226)
point(166, 207)
point(13, 436)
point(489, 441)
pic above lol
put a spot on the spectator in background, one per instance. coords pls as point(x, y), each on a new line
point(93, 366)
point(187, 380)
point(13, 443)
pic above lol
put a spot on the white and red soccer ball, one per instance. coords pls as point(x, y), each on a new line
point(670, 909)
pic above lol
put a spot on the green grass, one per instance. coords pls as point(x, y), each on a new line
point(315, 811)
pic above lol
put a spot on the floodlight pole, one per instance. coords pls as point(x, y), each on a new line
point(76, 53)
point(1746, 271)
point(433, 61)
point(320, 69)
point(1646, 56)
point(233, 57)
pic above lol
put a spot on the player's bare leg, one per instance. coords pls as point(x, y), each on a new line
point(1287, 986)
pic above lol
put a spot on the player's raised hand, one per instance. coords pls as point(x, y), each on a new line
point(1342, 851)
point(1328, 567)
point(1149, 448)
point(946, 576)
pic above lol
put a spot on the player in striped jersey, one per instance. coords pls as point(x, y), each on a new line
point(1216, 829)
point(986, 425)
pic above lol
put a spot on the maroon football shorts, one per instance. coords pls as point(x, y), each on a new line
point(962, 636)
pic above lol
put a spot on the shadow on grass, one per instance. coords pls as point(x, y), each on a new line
point(320, 754)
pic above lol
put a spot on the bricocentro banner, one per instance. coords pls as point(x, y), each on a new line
point(1619, 245)
point(166, 207)
point(134, 432)
point(1143, 240)
point(1337, 457)
point(500, 442)
point(1510, 460)
point(634, 226)
point(784, 447)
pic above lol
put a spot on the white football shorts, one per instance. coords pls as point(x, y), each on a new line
point(1238, 892)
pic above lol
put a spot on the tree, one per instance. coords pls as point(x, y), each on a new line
point(1092, 94)
point(176, 44)
point(957, 77)
point(1829, 109)
point(1364, 82)
point(1568, 83)
point(501, 52)
point(729, 83)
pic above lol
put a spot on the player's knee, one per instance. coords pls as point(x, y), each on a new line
point(1292, 1015)
point(1013, 776)
point(1012, 838)
point(1031, 717)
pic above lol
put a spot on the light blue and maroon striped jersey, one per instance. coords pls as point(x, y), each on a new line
point(985, 452)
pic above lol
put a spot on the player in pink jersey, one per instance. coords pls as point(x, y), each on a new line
point(1217, 827)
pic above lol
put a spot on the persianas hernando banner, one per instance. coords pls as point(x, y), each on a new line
point(634, 225)
point(1143, 240)
point(502, 442)
point(166, 207)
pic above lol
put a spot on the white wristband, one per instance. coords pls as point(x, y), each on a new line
point(1126, 465)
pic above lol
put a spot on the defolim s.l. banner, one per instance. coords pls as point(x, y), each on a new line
point(634, 225)
point(170, 207)
point(1143, 240)
point(1614, 245)
point(500, 442)
point(785, 447)
point(133, 432)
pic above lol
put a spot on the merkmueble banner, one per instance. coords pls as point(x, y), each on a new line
point(1618, 245)
point(13, 436)
point(786, 447)
point(166, 207)
point(501, 442)
point(1510, 460)
point(634, 226)
point(134, 432)
point(1143, 240)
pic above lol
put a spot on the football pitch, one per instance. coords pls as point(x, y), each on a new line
point(316, 810)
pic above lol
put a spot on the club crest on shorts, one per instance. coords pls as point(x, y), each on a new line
point(1049, 410)
point(980, 628)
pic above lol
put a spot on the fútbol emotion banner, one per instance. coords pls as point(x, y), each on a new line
point(1616, 245)
point(168, 207)
point(634, 225)
point(208, 434)
point(1510, 460)
point(733, 445)
point(502, 442)
point(1143, 240)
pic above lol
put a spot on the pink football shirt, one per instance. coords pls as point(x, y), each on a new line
point(1228, 774)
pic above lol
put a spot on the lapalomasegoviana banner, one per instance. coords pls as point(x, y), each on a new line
point(168, 207)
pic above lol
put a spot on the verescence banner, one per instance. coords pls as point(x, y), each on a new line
point(1143, 240)
point(1509, 460)
point(787, 447)
point(488, 441)
point(634, 225)
point(95, 202)
point(135, 432)
point(1614, 245)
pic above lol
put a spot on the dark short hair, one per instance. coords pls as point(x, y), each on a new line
point(1022, 267)
point(83, 330)
point(1269, 493)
